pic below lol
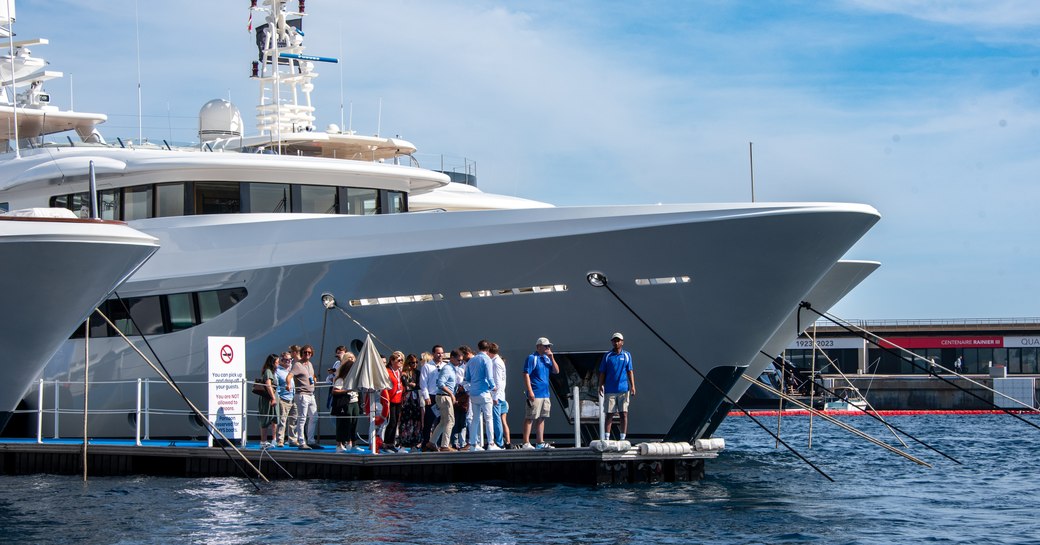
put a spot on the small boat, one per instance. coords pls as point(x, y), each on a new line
point(846, 398)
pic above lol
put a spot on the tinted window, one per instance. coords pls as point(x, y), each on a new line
point(268, 197)
point(138, 202)
point(217, 198)
point(169, 200)
point(182, 311)
point(362, 201)
point(318, 199)
point(396, 203)
point(110, 204)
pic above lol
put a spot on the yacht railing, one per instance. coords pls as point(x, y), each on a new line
point(144, 406)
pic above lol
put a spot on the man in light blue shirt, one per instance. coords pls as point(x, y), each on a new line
point(444, 396)
point(480, 378)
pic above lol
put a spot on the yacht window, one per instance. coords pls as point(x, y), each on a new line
point(217, 198)
point(110, 206)
point(268, 197)
point(60, 201)
point(182, 311)
point(4, 207)
point(138, 202)
point(318, 199)
point(396, 203)
point(212, 303)
point(362, 202)
point(80, 204)
point(146, 313)
point(169, 200)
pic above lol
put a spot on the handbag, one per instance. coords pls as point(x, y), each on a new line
point(260, 388)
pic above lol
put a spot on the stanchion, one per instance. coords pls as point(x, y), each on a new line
point(137, 415)
point(602, 420)
point(147, 406)
point(57, 396)
point(39, 415)
point(576, 413)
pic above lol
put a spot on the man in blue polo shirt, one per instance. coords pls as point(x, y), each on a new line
point(617, 382)
point(536, 379)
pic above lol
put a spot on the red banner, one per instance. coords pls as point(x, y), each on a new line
point(947, 342)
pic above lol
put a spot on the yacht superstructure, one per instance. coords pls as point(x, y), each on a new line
point(252, 241)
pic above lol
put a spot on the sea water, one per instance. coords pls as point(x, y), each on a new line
point(753, 493)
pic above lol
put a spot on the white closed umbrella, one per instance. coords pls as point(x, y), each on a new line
point(369, 376)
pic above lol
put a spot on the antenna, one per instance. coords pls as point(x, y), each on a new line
point(341, 75)
point(751, 158)
point(72, 96)
point(14, 87)
point(137, 29)
point(379, 117)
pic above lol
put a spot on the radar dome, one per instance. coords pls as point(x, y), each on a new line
point(219, 118)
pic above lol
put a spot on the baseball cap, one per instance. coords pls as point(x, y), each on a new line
point(617, 336)
point(543, 341)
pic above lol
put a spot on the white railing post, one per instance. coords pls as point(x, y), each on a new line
point(244, 405)
point(372, 426)
point(57, 391)
point(137, 419)
point(576, 413)
point(602, 420)
point(147, 406)
point(39, 414)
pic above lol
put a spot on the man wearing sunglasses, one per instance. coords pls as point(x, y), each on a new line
point(306, 408)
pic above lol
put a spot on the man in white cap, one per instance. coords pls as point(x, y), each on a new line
point(536, 379)
point(617, 382)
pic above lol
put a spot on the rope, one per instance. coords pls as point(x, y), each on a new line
point(838, 423)
point(169, 380)
point(706, 380)
point(891, 426)
point(877, 340)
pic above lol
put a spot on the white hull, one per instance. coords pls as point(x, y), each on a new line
point(718, 321)
point(55, 272)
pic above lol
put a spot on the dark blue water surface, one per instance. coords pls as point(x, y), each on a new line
point(753, 493)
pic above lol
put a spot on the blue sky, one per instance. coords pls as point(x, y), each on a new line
point(927, 110)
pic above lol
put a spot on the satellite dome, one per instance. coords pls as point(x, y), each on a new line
point(219, 118)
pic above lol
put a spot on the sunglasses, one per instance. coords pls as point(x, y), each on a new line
point(307, 352)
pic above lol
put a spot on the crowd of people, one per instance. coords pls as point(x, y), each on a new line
point(438, 401)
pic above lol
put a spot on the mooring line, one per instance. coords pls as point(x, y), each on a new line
point(877, 340)
point(169, 381)
point(838, 423)
point(891, 426)
point(725, 396)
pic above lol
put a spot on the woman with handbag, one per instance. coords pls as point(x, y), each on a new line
point(345, 406)
point(268, 405)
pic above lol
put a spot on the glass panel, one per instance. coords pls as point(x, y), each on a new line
point(396, 199)
point(147, 312)
point(182, 311)
point(268, 197)
point(138, 202)
point(209, 306)
point(985, 359)
point(109, 204)
point(1029, 360)
point(217, 198)
point(212, 303)
point(81, 204)
point(60, 201)
point(971, 360)
point(4, 207)
point(170, 200)
point(1000, 356)
point(1014, 360)
point(318, 199)
point(362, 201)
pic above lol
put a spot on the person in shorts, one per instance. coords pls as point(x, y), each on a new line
point(617, 383)
point(537, 369)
